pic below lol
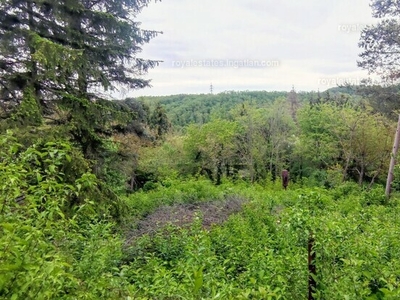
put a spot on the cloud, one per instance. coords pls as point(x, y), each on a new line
point(311, 39)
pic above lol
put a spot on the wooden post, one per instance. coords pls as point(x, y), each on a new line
point(312, 269)
point(393, 160)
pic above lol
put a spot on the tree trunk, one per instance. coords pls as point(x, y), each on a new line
point(362, 170)
point(373, 179)
point(393, 160)
point(208, 172)
point(76, 24)
point(346, 168)
point(228, 170)
point(33, 65)
point(132, 181)
point(251, 165)
point(219, 173)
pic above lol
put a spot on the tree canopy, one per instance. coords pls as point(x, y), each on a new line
point(380, 43)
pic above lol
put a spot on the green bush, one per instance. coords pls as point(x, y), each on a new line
point(374, 196)
point(58, 242)
point(50, 246)
point(261, 253)
point(172, 191)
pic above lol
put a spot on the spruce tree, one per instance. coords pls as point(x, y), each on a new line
point(159, 121)
point(58, 57)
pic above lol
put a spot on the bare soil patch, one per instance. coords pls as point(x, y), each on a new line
point(181, 215)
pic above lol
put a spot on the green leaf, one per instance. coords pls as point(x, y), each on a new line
point(198, 280)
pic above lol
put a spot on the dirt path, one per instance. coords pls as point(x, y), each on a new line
point(181, 215)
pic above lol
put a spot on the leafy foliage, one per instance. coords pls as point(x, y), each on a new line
point(54, 241)
point(261, 253)
point(254, 143)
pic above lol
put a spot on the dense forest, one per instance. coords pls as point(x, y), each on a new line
point(180, 196)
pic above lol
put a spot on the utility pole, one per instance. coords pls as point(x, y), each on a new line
point(393, 160)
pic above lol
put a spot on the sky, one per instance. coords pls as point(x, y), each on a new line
point(251, 45)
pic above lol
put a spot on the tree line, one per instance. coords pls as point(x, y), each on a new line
point(325, 137)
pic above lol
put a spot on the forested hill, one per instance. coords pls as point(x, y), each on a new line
point(184, 109)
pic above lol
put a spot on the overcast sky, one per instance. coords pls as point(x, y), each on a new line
point(253, 45)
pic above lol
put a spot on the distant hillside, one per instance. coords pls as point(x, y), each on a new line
point(349, 90)
point(189, 108)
